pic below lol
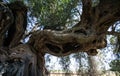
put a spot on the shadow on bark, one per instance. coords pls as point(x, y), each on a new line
point(19, 61)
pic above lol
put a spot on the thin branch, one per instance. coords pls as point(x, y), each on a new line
point(113, 33)
point(87, 7)
point(33, 30)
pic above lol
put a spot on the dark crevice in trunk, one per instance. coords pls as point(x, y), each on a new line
point(18, 27)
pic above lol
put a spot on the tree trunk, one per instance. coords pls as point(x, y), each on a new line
point(93, 66)
point(17, 59)
point(21, 61)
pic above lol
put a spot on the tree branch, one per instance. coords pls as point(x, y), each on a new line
point(87, 7)
point(18, 27)
point(61, 44)
point(113, 33)
point(88, 35)
point(6, 19)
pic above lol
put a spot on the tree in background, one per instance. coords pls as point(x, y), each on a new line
point(115, 64)
point(54, 17)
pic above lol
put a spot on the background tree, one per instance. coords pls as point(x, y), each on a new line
point(115, 63)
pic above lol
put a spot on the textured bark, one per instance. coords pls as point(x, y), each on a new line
point(6, 19)
point(28, 59)
point(60, 44)
point(88, 35)
point(20, 61)
point(18, 27)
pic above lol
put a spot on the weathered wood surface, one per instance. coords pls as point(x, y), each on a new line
point(88, 35)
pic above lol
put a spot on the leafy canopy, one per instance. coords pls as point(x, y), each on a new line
point(52, 14)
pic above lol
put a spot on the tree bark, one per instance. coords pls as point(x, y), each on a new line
point(28, 59)
point(93, 66)
point(88, 35)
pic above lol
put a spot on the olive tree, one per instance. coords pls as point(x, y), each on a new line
point(27, 59)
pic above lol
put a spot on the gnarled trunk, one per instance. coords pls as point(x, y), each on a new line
point(18, 59)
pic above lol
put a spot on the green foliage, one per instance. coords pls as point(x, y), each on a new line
point(115, 65)
point(53, 13)
point(116, 41)
point(112, 40)
point(95, 2)
point(118, 44)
